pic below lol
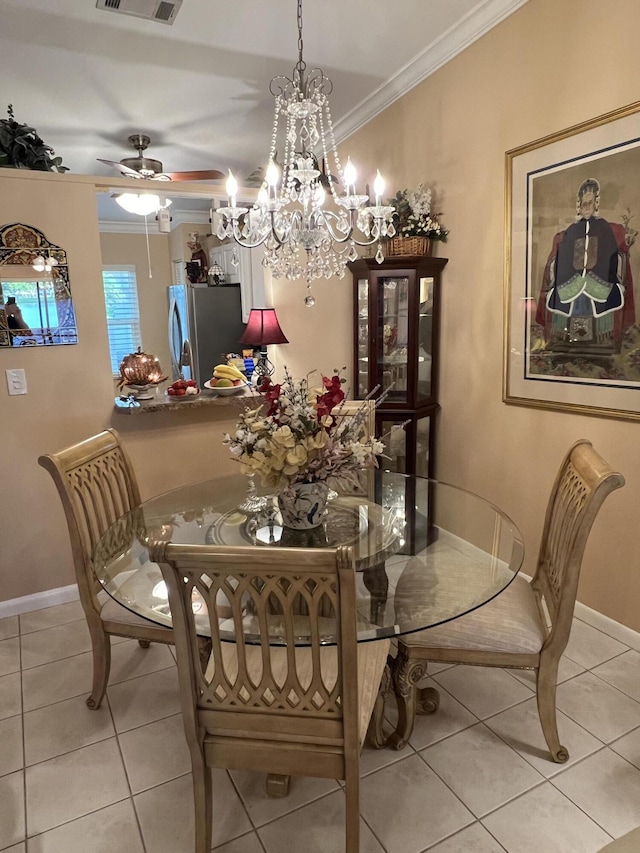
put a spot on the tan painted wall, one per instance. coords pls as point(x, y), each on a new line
point(71, 397)
point(550, 65)
point(131, 249)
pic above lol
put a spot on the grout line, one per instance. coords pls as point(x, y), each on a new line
point(126, 773)
point(237, 838)
point(613, 687)
point(577, 805)
point(82, 692)
point(494, 668)
point(478, 821)
point(72, 820)
point(242, 803)
point(24, 750)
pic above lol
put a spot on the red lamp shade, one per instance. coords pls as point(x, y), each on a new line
point(263, 328)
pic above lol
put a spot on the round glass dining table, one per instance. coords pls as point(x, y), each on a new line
point(425, 552)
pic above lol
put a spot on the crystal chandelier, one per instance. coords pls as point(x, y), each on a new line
point(301, 237)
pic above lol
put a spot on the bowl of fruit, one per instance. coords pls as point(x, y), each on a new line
point(183, 389)
point(226, 380)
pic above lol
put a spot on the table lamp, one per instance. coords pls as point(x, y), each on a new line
point(262, 329)
point(215, 273)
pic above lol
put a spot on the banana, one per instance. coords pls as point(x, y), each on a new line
point(226, 374)
point(227, 371)
point(227, 368)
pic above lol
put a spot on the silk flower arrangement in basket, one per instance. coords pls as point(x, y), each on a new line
point(415, 223)
point(296, 439)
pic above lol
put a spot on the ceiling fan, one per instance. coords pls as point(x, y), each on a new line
point(146, 167)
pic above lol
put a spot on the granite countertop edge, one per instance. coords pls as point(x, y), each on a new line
point(142, 407)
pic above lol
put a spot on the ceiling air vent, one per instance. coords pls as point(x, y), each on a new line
point(164, 11)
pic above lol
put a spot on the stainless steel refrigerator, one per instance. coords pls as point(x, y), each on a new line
point(205, 323)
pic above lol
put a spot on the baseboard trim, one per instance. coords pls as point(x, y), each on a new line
point(608, 626)
point(603, 623)
point(39, 600)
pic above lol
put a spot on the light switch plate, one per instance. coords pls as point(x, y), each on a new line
point(16, 381)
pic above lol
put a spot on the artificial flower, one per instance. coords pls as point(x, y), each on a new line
point(413, 216)
point(296, 434)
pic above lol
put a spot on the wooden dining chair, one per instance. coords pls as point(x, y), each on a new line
point(513, 630)
point(97, 484)
point(285, 709)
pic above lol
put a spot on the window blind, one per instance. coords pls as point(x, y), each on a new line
point(123, 314)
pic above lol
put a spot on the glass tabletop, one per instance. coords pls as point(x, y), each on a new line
point(425, 551)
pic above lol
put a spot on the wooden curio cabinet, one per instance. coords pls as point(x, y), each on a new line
point(396, 344)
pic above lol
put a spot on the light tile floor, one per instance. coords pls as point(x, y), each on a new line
point(475, 777)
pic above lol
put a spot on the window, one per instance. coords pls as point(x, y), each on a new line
point(123, 314)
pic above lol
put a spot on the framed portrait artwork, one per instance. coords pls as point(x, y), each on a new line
point(572, 277)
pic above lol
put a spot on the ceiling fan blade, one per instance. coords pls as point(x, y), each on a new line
point(204, 175)
point(125, 170)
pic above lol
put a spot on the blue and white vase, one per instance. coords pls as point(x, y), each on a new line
point(302, 505)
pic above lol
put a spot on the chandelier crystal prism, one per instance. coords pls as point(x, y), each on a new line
point(302, 237)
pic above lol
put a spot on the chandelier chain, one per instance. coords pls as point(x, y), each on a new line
point(301, 63)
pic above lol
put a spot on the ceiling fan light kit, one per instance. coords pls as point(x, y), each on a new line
point(151, 169)
point(301, 238)
point(141, 203)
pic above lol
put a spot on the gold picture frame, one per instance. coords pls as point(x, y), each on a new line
point(572, 318)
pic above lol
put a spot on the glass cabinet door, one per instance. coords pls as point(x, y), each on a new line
point(362, 379)
point(425, 338)
point(394, 438)
point(423, 445)
point(407, 446)
point(393, 336)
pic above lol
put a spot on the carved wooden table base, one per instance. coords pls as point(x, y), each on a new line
point(407, 673)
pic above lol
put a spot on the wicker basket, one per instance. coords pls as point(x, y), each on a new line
point(406, 246)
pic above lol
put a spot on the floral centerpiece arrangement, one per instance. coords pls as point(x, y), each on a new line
point(296, 439)
point(414, 217)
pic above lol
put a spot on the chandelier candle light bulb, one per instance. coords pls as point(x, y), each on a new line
point(350, 177)
point(378, 188)
point(232, 189)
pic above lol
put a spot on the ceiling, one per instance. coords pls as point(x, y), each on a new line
point(86, 78)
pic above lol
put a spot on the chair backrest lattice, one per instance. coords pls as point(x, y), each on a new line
point(97, 485)
point(267, 599)
point(583, 482)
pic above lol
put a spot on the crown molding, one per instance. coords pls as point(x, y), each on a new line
point(178, 217)
point(114, 226)
point(472, 27)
